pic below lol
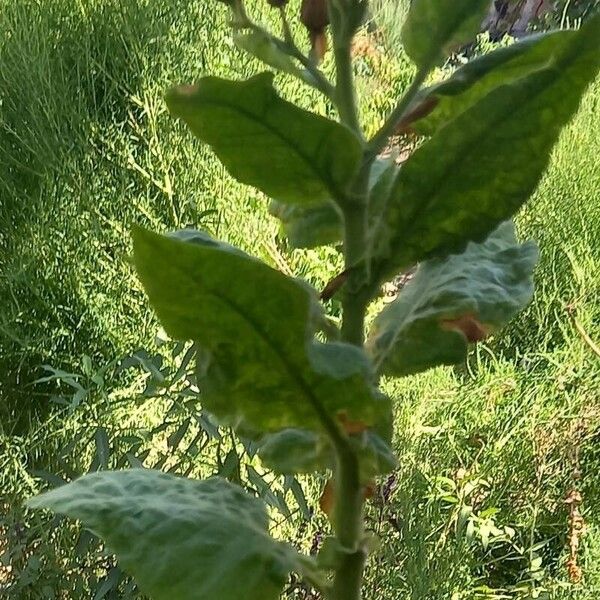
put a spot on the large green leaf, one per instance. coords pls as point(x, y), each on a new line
point(435, 28)
point(473, 81)
point(286, 152)
point(181, 539)
point(453, 301)
point(262, 367)
point(478, 169)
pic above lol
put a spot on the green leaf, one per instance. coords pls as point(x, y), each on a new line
point(309, 226)
point(181, 539)
point(260, 45)
point(294, 451)
point(376, 457)
point(436, 28)
point(478, 170)
point(451, 302)
point(263, 369)
point(321, 224)
point(286, 152)
point(299, 496)
point(472, 82)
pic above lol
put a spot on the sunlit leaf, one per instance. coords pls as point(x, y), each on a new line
point(264, 141)
point(262, 368)
point(260, 45)
point(452, 302)
point(436, 28)
point(477, 78)
point(181, 539)
point(477, 170)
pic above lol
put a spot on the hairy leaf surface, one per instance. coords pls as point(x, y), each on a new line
point(181, 539)
point(264, 141)
point(454, 301)
point(478, 169)
point(262, 368)
point(436, 28)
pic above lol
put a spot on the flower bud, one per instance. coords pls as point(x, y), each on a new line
point(315, 17)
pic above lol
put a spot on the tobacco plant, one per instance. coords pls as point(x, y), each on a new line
point(269, 362)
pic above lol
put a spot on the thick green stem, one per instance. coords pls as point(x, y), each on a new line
point(345, 93)
point(349, 528)
point(348, 518)
point(344, 84)
point(354, 302)
point(348, 577)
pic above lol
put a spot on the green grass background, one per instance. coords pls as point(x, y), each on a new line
point(488, 452)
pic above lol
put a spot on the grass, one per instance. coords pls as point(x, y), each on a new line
point(489, 451)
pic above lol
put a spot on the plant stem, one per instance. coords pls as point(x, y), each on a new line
point(348, 517)
point(348, 577)
point(288, 46)
point(345, 93)
point(348, 524)
point(354, 303)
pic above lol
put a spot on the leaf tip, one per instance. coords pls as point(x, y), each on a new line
point(178, 96)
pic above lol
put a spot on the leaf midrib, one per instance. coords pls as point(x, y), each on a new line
point(330, 185)
point(296, 378)
point(425, 206)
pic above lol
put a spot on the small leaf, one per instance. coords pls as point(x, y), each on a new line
point(321, 224)
point(292, 451)
point(264, 490)
point(175, 438)
point(478, 170)
point(181, 539)
point(436, 28)
point(300, 498)
point(330, 553)
point(375, 456)
point(309, 226)
point(451, 302)
point(51, 478)
point(264, 141)
point(230, 469)
point(327, 498)
point(260, 45)
point(263, 370)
